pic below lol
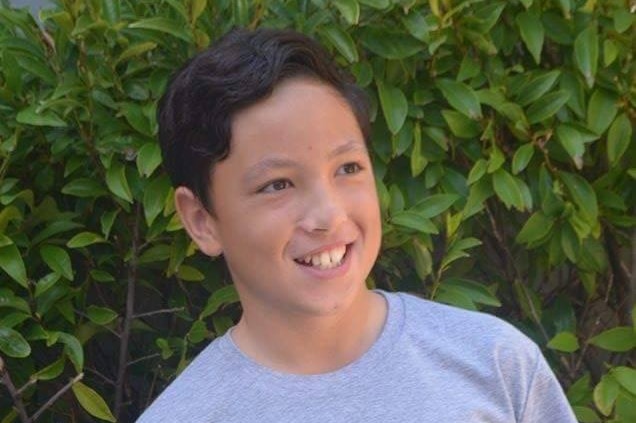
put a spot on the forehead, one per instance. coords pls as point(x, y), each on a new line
point(301, 113)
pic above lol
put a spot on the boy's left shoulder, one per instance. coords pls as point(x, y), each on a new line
point(462, 329)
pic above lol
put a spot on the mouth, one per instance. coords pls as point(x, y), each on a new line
point(327, 259)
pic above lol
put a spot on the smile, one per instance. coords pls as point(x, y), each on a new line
point(325, 259)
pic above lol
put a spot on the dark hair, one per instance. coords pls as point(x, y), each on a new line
point(241, 68)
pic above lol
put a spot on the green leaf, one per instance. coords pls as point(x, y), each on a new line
point(148, 158)
point(349, 9)
point(418, 161)
point(564, 341)
point(30, 116)
point(107, 220)
point(101, 315)
point(51, 371)
point(117, 182)
point(537, 227)
point(476, 291)
point(135, 116)
point(477, 171)
point(58, 260)
point(84, 239)
point(196, 9)
point(461, 97)
point(610, 52)
point(626, 377)
point(342, 41)
point(460, 125)
point(457, 251)
point(547, 106)
point(72, 349)
point(11, 262)
point(582, 194)
point(417, 25)
point(135, 50)
point(536, 87)
point(389, 44)
point(92, 402)
point(586, 53)
point(601, 111)
point(618, 339)
point(423, 260)
point(507, 189)
point(394, 106)
point(435, 204)
point(455, 297)
point(573, 141)
point(532, 33)
point(46, 283)
point(605, 394)
point(84, 188)
point(585, 414)
point(623, 19)
point(522, 157)
point(618, 139)
point(198, 331)
point(225, 295)
point(9, 299)
point(376, 4)
point(165, 25)
point(155, 197)
point(413, 220)
point(190, 274)
point(13, 344)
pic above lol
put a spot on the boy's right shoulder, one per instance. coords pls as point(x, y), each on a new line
point(203, 390)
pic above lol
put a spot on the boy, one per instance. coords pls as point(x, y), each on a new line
point(265, 140)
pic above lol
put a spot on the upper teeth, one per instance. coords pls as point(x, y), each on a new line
point(326, 259)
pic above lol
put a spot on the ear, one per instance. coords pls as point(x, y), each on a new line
point(198, 222)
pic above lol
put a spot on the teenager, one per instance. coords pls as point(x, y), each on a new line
point(265, 140)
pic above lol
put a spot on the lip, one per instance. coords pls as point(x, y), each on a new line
point(327, 247)
point(334, 272)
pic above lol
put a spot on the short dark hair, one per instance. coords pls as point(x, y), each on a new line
point(242, 67)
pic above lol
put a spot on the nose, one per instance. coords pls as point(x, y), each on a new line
point(323, 210)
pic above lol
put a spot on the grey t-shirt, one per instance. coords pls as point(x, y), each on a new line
point(431, 363)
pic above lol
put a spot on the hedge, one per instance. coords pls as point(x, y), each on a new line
point(504, 156)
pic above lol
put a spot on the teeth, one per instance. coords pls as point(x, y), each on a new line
point(326, 259)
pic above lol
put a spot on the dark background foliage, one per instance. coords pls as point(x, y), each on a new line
point(504, 155)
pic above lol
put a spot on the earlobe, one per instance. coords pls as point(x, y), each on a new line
point(197, 221)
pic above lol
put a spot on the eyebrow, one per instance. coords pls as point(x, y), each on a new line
point(347, 147)
point(266, 165)
point(276, 162)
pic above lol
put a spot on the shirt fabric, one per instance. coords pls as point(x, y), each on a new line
point(431, 363)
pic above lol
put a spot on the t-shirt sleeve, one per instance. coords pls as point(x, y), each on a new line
point(545, 401)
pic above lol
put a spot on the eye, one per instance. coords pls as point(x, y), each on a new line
point(349, 168)
point(277, 185)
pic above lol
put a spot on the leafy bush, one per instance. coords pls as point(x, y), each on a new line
point(502, 139)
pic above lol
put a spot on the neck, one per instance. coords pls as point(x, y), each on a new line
point(311, 344)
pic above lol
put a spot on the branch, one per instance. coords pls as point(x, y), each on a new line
point(128, 317)
point(15, 395)
point(56, 396)
point(146, 357)
point(152, 313)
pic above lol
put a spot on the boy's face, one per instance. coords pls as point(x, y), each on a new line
point(296, 209)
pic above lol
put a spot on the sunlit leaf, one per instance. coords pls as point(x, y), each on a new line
point(92, 402)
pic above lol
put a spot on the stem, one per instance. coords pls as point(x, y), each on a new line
point(15, 395)
point(128, 318)
point(152, 313)
point(56, 396)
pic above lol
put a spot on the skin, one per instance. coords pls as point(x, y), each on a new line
point(298, 181)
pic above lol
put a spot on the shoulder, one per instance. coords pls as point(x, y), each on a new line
point(200, 390)
point(465, 333)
